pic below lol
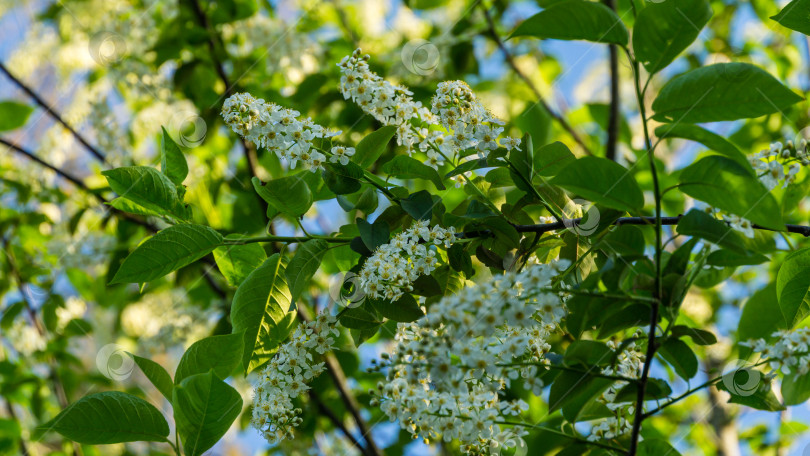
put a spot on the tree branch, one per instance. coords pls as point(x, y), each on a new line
point(804, 230)
point(213, 41)
point(511, 62)
point(339, 379)
point(323, 409)
point(52, 113)
point(613, 115)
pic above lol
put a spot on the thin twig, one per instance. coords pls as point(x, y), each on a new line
point(52, 113)
point(511, 62)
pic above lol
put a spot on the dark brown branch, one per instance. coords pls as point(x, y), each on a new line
point(804, 230)
point(511, 62)
point(52, 113)
point(327, 412)
point(613, 114)
point(213, 42)
point(72, 179)
point(339, 379)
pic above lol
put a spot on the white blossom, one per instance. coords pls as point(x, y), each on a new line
point(394, 266)
point(448, 372)
point(277, 129)
point(286, 377)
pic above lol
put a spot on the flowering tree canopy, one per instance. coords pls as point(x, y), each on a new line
point(562, 227)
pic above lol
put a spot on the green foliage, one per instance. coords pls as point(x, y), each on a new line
point(601, 181)
point(723, 91)
point(665, 29)
point(575, 20)
point(110, 417)
point(148, 188)
point(204, 409)
point(261, 308)
point(13, 115)
point(236, 308)
point(725, 184)
point(793, 287)
point(167, 251)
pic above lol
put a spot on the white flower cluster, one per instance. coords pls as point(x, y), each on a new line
point(628, 365)
point(448, 371)
point(286, 376)
point(790, 353)
point(394, 266)
point(457, 121)
point(471, 124)
point(277, 129)
point(770, 163)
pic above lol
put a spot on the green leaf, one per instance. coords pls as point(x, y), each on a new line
point(759, 317)
point(796, 388)
point(157, 375)
point(665, 29)
point(551, 158)
point(723, 91)
point(236, 262)
point(709, 139)
point(358, 318)
point(289, 195)
point(148, 188)
point(680, 357)
point(110, 417)
point(304, 265)
point(728, 258)
point(793, 287)
point(370, 148)
point(656, 447)
point(602, 181)
point(699, 336)
point(657, 389)
point(795, 16)
point(221, 354)
point(373, 235)
point(575, 20)
point(700, 224)
point(419, 205)
point(125, 205)
point(172, 162)
point(404, 309)
point(167, 251)
point(588, 353)
point(405, 167)
point(726, 185)
point(341, 179)
point(204, 409)
point(747, 387)
point(13, 115)
point(261, 308)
